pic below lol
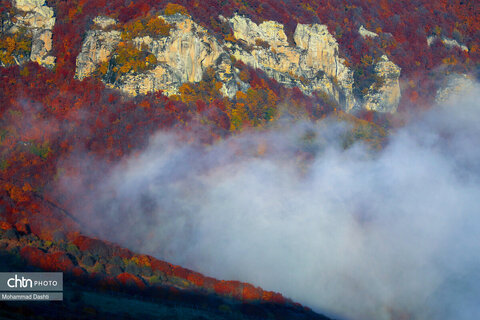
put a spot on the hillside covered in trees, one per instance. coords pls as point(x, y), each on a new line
point(49, 115)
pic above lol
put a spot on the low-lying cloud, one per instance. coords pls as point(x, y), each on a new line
point(393, 234)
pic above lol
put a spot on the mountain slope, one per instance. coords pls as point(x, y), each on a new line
point(85, 79)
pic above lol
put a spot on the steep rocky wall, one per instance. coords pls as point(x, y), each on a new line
point(182, 56)
point(36, 19)
point(384, 95)
point(312, 64)
point(97, 47)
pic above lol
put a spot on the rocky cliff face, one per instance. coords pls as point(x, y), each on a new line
point(97, 47)
point(312, 63)
point(35, 20)
point(182, 56)
point(384, 94)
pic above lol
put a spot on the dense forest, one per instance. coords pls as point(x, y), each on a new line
point(46, 115)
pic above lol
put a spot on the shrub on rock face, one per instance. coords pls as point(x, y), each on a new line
point(173, 8)
point(14, 47)
point(129, 59)
point(150, 25)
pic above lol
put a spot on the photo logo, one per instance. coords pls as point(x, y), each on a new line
point(19, 283)
point(36, 286)
point(23, 282)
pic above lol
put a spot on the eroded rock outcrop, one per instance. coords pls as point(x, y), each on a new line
point(182, 56)
point(269, 31)
point(184, 53)
point(313, 64)
point(366, 33)
point(36, 20)
point(97, 46)
point(384, 94)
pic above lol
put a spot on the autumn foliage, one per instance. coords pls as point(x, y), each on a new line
point(48, 261)
point(47, 116)
point(150, 25)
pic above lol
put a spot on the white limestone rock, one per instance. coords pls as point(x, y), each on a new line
point(450, 43)
point(96, 49)
point(312, 65)
point(104, 22)
point(366, 33)
point(183, 57)
point(269, 31)
point(384, 96)
point(38, 20)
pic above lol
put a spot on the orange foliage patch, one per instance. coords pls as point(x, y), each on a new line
point(22, 227)
point(130, 280)
point(163, 266)
point(209, 283)
point(5, 225)
point(250, 293)
point(180, 272)
point(196, 278)
point(57, 261)
point(173, 8)
point(273, 297)
point(232, 288)
point(83, 243)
